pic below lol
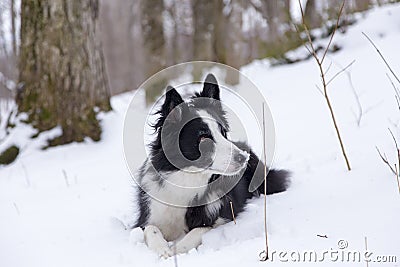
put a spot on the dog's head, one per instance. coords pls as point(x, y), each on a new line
point(192, 135)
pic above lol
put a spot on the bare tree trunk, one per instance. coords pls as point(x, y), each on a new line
point(204, 20)
point(234, 43)
point(208, 39)
point(271, 13)
point(13, 28)
point(360, 5)
point(153, 41)
point(312, 17)
point(62, 68)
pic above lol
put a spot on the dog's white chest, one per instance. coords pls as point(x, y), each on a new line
point(168, 211)
point(170, 220)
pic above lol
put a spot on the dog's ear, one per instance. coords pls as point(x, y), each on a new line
point(172, 100)
point(211, 88)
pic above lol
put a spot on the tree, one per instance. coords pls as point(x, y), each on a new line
point(62, 71)
point(13, 27)
point(153, 42)
point(312, 17)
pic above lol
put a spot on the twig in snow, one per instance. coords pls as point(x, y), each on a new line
point(264, 254)
point(65, 177)
point(320, 60)
point(395, 169)
point(356, 96)
point(340, 72)
point(233, 213)
point(360, 109)
point(323, 236)
point(396, 166)
point(385, 160)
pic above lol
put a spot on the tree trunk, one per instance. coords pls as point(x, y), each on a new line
point(13, 28)
point(62, 70)
point(233, 41)
point(207, 45)
point(312, 16)
point(153, 42)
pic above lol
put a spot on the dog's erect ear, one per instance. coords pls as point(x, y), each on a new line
point(172, 100)
point(211, 88)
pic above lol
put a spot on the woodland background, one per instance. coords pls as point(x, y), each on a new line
point(62, 60)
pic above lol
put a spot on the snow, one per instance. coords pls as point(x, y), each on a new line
point(71, 205)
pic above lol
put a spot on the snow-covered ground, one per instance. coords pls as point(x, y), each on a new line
point(65, 206)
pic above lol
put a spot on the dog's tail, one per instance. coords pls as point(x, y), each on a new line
point(277, 181)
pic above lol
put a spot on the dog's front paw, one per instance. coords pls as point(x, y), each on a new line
point(163, 251)
point(179, 248)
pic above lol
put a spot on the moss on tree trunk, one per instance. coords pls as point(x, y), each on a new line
point(62, 69)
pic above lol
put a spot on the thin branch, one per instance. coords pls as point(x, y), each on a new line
point(360, 109)
point(308, 33)
point(394, 139)
point(233, 213)
point(396, 166)
point(319, 89)
point(265, 256)
point(340, 72)
point(323, 78)
point(383, 58)
point(305, 44)
point(385, 160)
point(396, 91)
point(65, 178)
point(327, 69)
point(397, 176)
point(334, 31)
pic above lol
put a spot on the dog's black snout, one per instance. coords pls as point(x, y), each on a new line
point(239, 158)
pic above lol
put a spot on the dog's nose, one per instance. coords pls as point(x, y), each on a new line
point(239, 158)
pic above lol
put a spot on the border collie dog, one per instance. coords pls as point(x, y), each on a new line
point(195, 178)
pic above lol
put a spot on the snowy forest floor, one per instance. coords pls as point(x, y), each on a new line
point(64, 206)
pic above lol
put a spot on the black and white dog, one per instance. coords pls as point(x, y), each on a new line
point(195, 178)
